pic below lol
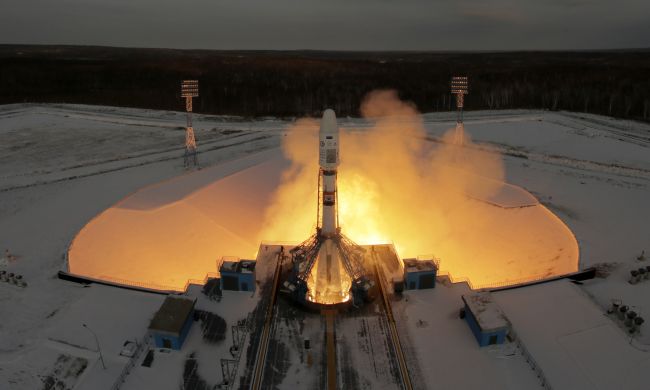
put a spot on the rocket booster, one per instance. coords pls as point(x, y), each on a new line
point(329, 162)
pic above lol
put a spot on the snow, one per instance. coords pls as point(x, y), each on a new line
point(100, 308)
point(445, 348)
point(507, 195)
point(40, 213)
point(60, 166)
point(486, 311)
point(580, 348)
point(166, 371)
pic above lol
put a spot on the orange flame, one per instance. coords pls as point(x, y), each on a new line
point(395, 186)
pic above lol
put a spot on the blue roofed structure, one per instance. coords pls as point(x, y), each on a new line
point(419, 274)
point(171, 324)
point(238, 275)
point(488, 324)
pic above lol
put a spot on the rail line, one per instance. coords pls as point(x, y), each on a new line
point(331, 348)
point(263, 348)
point(392, 327)
point(260, 360)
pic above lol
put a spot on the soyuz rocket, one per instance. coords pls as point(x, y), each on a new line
point(328, 267)
point(329, 162)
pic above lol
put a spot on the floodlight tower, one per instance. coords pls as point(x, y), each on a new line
point(459, 88)
point(189, 90)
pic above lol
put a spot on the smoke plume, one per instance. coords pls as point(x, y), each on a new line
point(398, 185)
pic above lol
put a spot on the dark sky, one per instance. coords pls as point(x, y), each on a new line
point(330, 24)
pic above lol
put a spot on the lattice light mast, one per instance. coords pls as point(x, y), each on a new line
point(189, 90)
point(459, 87)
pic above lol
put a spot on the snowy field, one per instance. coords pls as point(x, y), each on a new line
point(60, 166)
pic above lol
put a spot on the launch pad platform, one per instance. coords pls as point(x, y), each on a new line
point(299, 353)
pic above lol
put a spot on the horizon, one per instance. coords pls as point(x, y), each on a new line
point(415, 25)
point(383, 51)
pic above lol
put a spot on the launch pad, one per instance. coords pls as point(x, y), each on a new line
point(330, 272)
point(360, 349)
point(171, 234)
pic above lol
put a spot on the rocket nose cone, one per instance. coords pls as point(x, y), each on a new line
point(329, 114)
point(328, 123)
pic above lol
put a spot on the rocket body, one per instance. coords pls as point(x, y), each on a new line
point(329, 267)
point(329, 162)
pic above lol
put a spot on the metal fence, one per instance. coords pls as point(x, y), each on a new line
point(229, 367)
point(154, 286)
point(498, 285)
point(143, 347)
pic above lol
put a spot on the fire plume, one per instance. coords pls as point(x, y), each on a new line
point(425, 197)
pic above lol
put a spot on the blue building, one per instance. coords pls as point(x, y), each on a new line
point(488, 324)
point(419, 274)
point(238, 275)
point(171, 324)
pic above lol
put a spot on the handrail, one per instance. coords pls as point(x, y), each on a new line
point(142, 346)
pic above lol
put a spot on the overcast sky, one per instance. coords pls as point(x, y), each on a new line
point(330, 24)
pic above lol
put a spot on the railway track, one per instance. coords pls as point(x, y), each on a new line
point(329, 316)
point(392, 326)
point(260, 359)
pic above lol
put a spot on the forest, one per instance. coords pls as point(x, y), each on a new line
point(297, 83)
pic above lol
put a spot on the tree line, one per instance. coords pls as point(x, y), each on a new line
point(297, 83)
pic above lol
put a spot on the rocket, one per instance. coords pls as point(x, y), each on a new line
point(329, 162)
point(328, 267)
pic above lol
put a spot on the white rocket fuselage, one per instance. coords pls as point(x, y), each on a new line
point(329, 162)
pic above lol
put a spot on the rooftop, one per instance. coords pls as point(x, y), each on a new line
point(415, 265)
point(572, 339)
point(172, 314)
point(240, 266)
point(487, 313)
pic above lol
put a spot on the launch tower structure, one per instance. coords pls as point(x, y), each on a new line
point(459, 87)
point(328, 267)
point(189, 90)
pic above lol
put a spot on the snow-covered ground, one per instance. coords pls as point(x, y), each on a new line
point(60, 166)
point(581, 348)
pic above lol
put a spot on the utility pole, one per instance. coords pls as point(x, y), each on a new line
point(101, 357)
